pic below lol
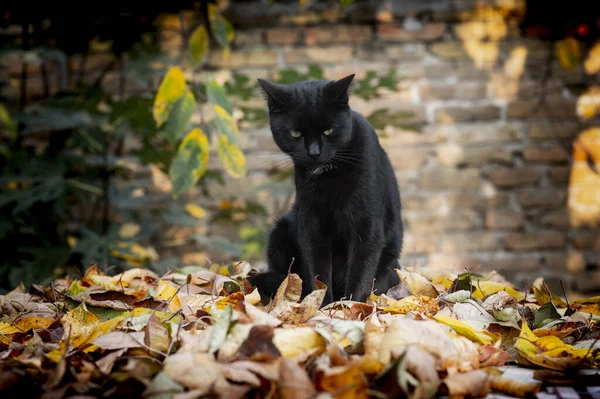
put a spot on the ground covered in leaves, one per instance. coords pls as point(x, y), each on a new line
point(204, 332)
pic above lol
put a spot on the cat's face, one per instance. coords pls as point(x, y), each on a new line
point(310, 120)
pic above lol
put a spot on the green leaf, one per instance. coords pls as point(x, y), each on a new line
point(171, 88)
point(230, 154)
point(162, 387)
point(225, 125)
point(199, 45)
point(220, 329)
point(7, 121)
point(216, 95)
point(346, 3)
point(232, 157)
point(190, 162)
point(221, 28)
point(179, 117)
point(545, 314)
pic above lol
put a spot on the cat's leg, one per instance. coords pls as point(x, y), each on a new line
point(316, 253)
point(282, 251)
point(364, 256)
point(386, 277)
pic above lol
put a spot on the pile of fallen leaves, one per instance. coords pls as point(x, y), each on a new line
point(205, 332)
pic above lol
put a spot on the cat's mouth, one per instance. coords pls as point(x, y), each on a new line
point(319, 169)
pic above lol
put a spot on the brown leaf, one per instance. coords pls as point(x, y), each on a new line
point(259, 345)
point(294, 383)
point(119, 340)
point(197, 371)
point(473, 384)
point(489, 355)
point(297, 313)
point(292, 342)
point(422, 365)
point(289, 290)
point(417, 284)
point(348, 310)
point(520, 389)
point(342, 382)
point(106, 364)
point(156, 335)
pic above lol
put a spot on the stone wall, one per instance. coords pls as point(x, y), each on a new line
point(482, 162)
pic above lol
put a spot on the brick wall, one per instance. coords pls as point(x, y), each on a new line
point(482, 165)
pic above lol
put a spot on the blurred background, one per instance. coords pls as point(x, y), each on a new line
point(134, 135)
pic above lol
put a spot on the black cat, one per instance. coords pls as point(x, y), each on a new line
point(345, 225)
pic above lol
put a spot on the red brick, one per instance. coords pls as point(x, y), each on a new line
point(449, 178)
point(243, 58)
point(277, 36)
point(432, 223)
point(469, 242)
point(503, 220)
point(322, 55)
point(559, 174)
point(514, 263)
point(543, 199)
point(475, 201)
point(585, 240)
point(554, 154)
point(338, 34)
point(534, 241)
point(557, 219)
point(245, 37)
point(449, 50)
point(454, 114)
point(481, 133)
point(556, 108)
point(429, 32)
point(509, 177)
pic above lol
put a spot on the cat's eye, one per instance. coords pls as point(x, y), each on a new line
point(328, 132)
point(295, 134)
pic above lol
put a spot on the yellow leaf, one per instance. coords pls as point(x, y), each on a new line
point(542, 295)
point(230, 300)
point(485, 288)
point(129, 230)
point(569, 52)
point(232, 157)
point(190, 162)
point(156, 335)
point(412, 303)
point(417, 284)
point(292, 342)
point(551, 353)
point(79, 324)
point(25, 323)
point(199, 45)
point(167, 292)
point(71, 241)
point(253, 297)
point(343, 382)
point(195, 211)
point(592, 62)
point(171, 88)
point(462, 328)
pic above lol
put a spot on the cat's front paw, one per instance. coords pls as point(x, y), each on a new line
point(267, 284)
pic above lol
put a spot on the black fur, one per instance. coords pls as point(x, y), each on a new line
point(345, 225)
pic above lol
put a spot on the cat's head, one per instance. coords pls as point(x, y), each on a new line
point(310, 120)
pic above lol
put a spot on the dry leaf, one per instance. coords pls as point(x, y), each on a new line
point(473, 384)
point(294, 383)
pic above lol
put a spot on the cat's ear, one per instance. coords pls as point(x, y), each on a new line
point(274, 93)
point(339, 90)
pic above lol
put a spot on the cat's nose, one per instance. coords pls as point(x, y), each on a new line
point(314, 151)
